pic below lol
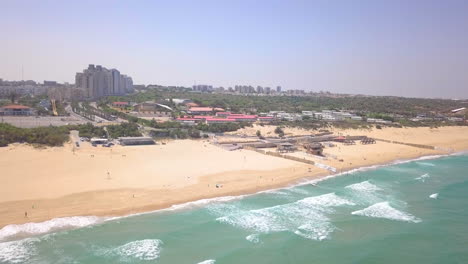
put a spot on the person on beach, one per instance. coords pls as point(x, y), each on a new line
point(26, 214)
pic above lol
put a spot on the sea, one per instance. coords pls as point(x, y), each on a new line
point(407, 212)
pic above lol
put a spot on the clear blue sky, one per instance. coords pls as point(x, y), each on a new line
point(408, 48)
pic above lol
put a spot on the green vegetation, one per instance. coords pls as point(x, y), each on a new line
point(279, 131)
point(50, 136)
point(221, 127)
point(89, 131)
point(57, 136)
point(383, 105)
point(123, 130)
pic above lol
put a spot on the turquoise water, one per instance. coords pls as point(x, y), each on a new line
point(415, 212)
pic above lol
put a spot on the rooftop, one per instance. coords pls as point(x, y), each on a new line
point(15, 106)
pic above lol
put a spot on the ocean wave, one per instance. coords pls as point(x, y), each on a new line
point(314, 232)
point(426, 164)
point(434, 196)
point(208, 261)
point(20, 251)
point(364, 186)
point(254, 238)
point(29, 229)
point(306, 217)
point(147, 249)
point(384, 210)
point(423, 177)
point(325, 201)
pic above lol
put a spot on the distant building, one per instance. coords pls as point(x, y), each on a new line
point(278, 89)
point(202, 88)
point(203, 110)
point(98, 81)
point(16, 110)
point(154, 108)
point(50, 83)
point(120, 105)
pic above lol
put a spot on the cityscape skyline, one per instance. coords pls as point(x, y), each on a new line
point(305, 45)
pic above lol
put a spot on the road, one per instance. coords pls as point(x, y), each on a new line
point(69, 110)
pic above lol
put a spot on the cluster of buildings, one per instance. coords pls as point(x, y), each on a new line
point(97, 81)
point(29, 87)
point(239, 89)
point(329, 115)
point(210, 115)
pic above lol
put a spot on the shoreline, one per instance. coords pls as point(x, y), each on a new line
point(12, 232)
point(53, 183)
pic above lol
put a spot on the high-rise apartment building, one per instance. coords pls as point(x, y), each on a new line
point(97, 81)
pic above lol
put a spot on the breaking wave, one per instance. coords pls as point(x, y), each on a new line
point(306, 217)
point(384, 210)
point(434, 196)
point(364, 186)
point(423, 177)
point(147, 249)
point(208, 261)
point(55, 224)
point(19, 251)
point(254, 238)
point(426, 164)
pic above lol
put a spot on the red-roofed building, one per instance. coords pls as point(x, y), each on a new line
point(243, 118)
point(219, 120)
point(201, 117)
point(191, 104)
point(16, 110)
point(339, 139)
point(120, 105)
point(204, 110)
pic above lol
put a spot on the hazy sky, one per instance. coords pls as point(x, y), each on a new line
point(407, 47)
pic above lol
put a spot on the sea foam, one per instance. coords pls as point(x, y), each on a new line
point(306, 217)
point(254, 238)
point(55, 224)
point(208, 261)
point(364, 186)
point(20, 251)
point(423, 177)
point(147, 249)
point(434, 196)
point(384, 210)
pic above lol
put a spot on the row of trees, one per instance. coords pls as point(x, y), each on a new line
point(50, 136)
point(365, 104)
point(57, 136)
point(123, 130)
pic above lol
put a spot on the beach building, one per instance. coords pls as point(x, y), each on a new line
point(219, 120)
point(127, 141)
point(16, 110)
point(121, 105)
point(204, 110)
point(187, 121)
point(153, 108)
point(243, 118)
point(314, 148)
point(286, 147)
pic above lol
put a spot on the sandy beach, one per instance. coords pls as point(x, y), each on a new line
point(57, 182)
